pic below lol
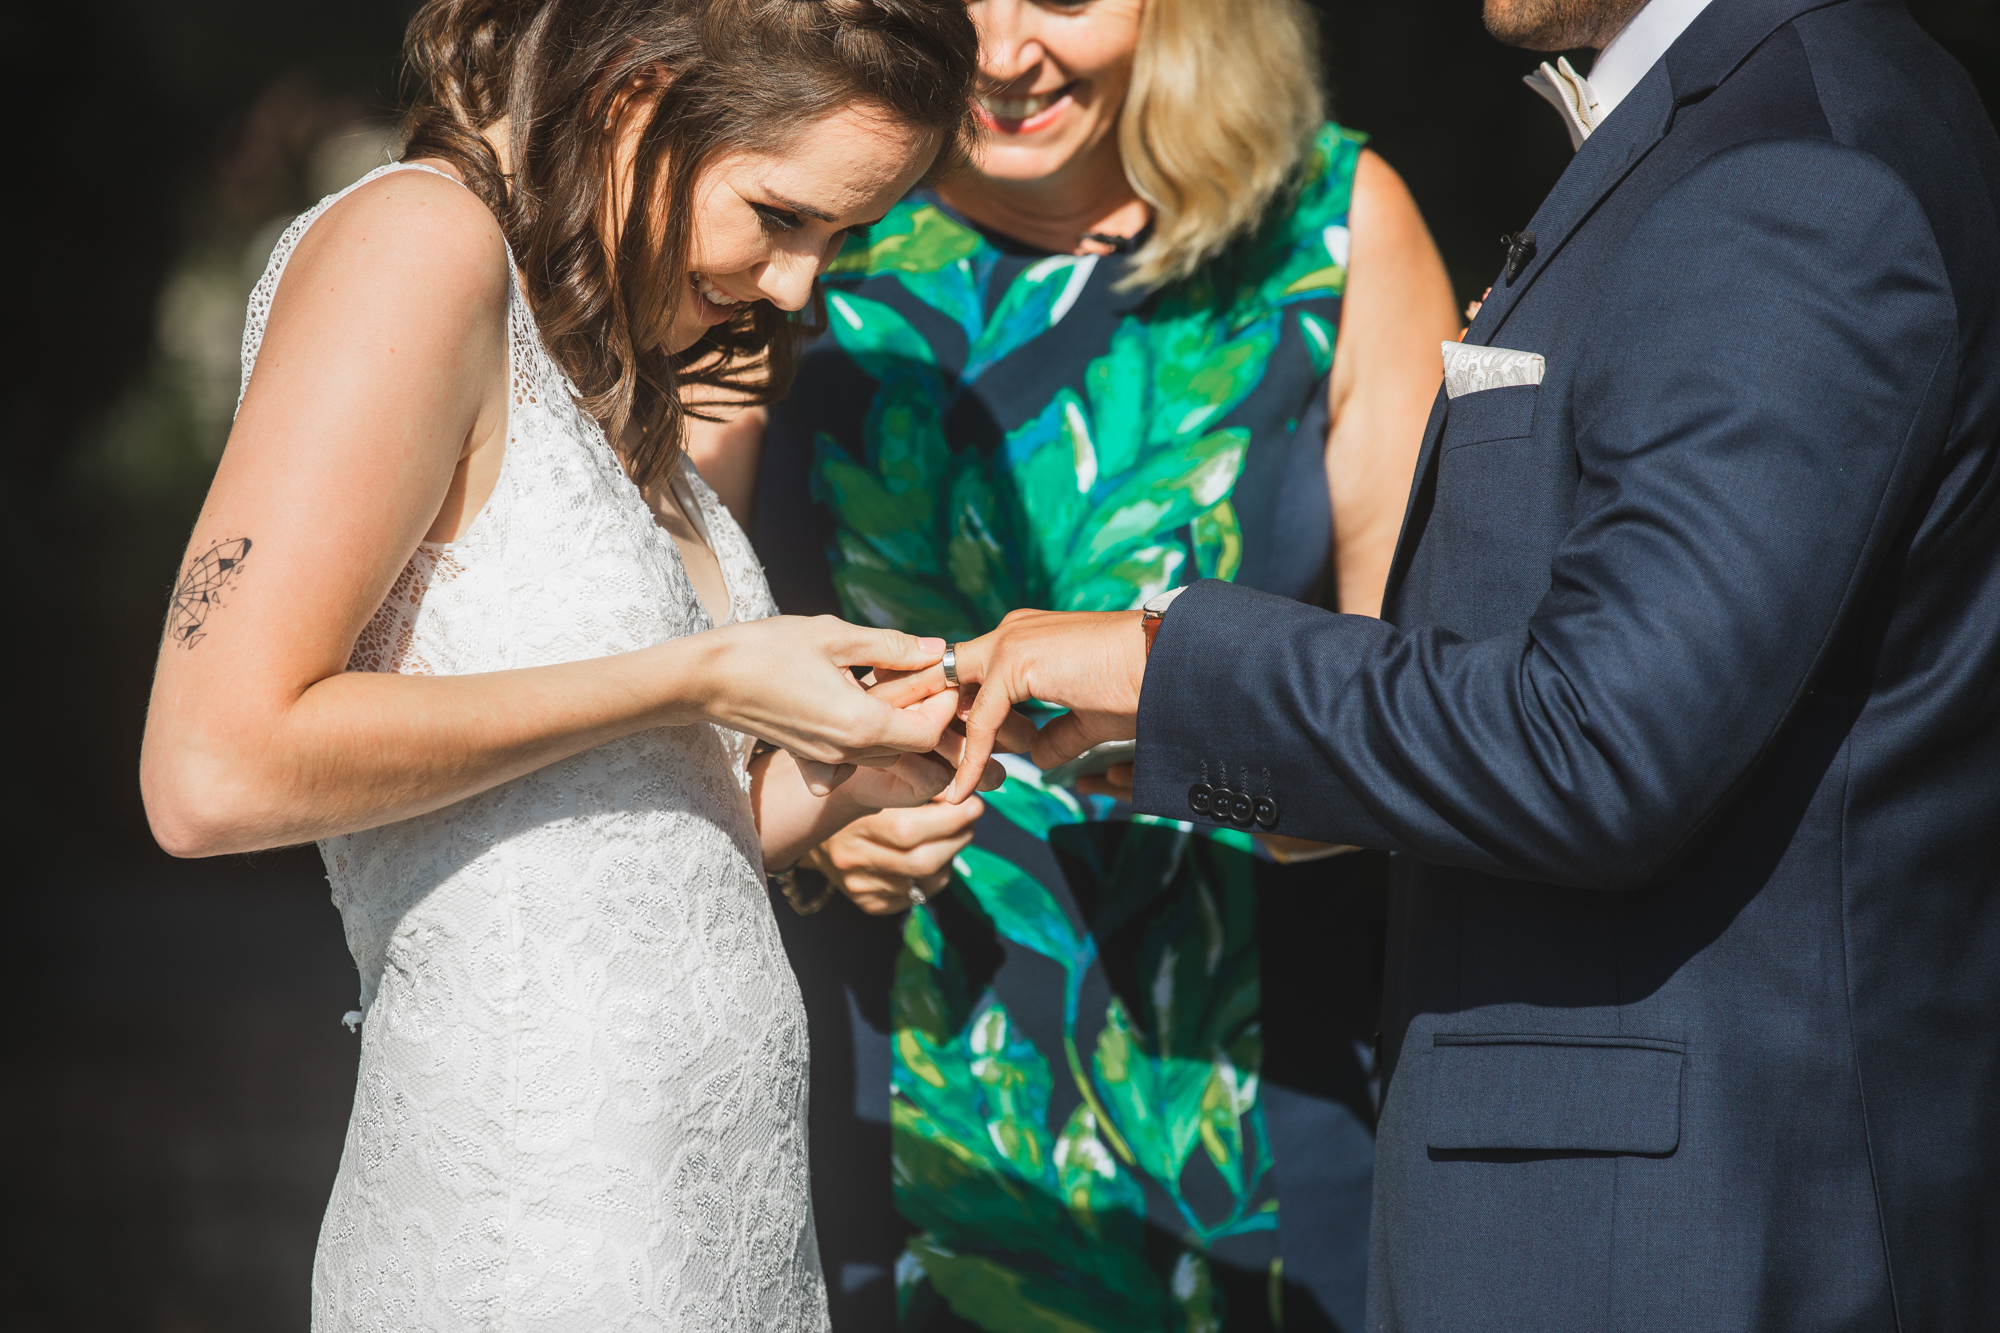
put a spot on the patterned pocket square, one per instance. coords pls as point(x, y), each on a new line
point(1470, 369)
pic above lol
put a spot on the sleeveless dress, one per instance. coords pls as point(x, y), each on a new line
point(582, 1091)
point(1118, 1076)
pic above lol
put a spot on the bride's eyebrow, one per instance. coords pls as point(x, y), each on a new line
point(790, 205)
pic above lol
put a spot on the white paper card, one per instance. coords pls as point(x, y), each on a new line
point(1470, 369)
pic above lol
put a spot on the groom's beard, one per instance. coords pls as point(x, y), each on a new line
point(1559, 25)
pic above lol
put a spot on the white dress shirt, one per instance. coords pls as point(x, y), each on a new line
point(1584, 103)
point(1637, 48)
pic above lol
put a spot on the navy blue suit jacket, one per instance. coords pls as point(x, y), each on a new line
point(1686, 721)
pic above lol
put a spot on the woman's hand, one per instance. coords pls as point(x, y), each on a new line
point(912, 780)
point(793, 817)
point(884, 829)
point(790, 681)
point(1115, 782)
point(1090, 662)
point(877, 860)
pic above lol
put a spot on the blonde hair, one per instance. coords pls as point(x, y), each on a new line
point(1225, 99)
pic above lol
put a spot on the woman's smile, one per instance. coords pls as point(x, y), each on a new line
point(1025, 113)
point(712, 304)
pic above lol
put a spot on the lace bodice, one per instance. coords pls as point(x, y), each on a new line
point(581, 1101)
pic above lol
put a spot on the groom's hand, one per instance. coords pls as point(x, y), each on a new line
point(1092, 663)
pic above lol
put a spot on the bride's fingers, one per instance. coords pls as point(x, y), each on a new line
point(924, 775)
point(903, 688)
point(890, 649)
point(912, 730)
point(821, 779)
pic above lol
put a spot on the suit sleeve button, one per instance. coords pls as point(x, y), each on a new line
point(1267, 812)
point(1201, 798)
point(1241, 807)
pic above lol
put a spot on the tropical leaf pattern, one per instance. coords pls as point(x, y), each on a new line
point(1095, 1180)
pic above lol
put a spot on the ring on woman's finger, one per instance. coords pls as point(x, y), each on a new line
point(950, 668)
point(917, 896)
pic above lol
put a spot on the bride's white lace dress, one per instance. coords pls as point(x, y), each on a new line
point(582, 1094)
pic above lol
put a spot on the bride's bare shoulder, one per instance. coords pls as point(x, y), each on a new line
point(413, 235)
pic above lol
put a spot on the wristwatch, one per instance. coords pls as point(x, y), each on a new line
point(1155, 610)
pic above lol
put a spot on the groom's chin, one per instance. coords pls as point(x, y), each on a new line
point(1558, 25)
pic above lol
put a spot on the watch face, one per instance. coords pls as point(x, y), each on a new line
point(1157, 604)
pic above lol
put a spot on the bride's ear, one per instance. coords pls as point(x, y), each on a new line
point(640, 90)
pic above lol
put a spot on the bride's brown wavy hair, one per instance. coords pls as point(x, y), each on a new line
point(734, 75)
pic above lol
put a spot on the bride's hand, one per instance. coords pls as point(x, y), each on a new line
point(788, 681)
point(913, 779)
point(1015, 733)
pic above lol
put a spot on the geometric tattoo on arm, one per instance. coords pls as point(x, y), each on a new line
point(201, 588)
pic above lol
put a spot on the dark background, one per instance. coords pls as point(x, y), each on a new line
point(176, 1076)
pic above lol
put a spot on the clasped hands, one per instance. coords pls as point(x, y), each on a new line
point(1092, 663)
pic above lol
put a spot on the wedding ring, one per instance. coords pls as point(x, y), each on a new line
point(917, 896)
point(950, 672)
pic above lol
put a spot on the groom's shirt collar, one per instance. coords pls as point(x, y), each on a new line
point(1637, 48)
point(1584, 103)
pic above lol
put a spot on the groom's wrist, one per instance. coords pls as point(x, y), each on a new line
point(1153, 613)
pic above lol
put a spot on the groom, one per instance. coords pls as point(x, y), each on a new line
point(1686, 714)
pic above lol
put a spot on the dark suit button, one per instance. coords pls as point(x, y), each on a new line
point(1218, 802)
point(1241, 807)
point(1267, 812)
point(1201, 798)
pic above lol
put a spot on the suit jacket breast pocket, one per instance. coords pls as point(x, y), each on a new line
point(1491, 414)
point(1495, 518)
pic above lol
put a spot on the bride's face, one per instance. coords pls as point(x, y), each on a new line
point(1053, 77)
point(765, 224)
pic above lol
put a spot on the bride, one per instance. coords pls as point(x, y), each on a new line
point(458, 608)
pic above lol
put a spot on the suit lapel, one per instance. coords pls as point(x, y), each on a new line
point(1605, 159)
point(1416, 511)
point(1718, 41)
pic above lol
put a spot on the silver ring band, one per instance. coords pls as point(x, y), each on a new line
point(917, 896)
point(951, 665)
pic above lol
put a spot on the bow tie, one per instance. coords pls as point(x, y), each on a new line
point(1568, 92)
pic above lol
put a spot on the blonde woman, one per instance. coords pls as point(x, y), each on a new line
point(1173, 326)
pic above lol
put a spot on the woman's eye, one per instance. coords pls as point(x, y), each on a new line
point(777, 219)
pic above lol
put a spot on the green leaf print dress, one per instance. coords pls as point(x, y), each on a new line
point(1072, 1048)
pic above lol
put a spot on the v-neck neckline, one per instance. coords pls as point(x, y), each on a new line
point(696, 513)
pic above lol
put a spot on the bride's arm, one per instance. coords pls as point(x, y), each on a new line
point(383, 369)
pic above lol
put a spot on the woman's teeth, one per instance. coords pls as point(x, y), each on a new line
point(1021, 108)
point(709, 290)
